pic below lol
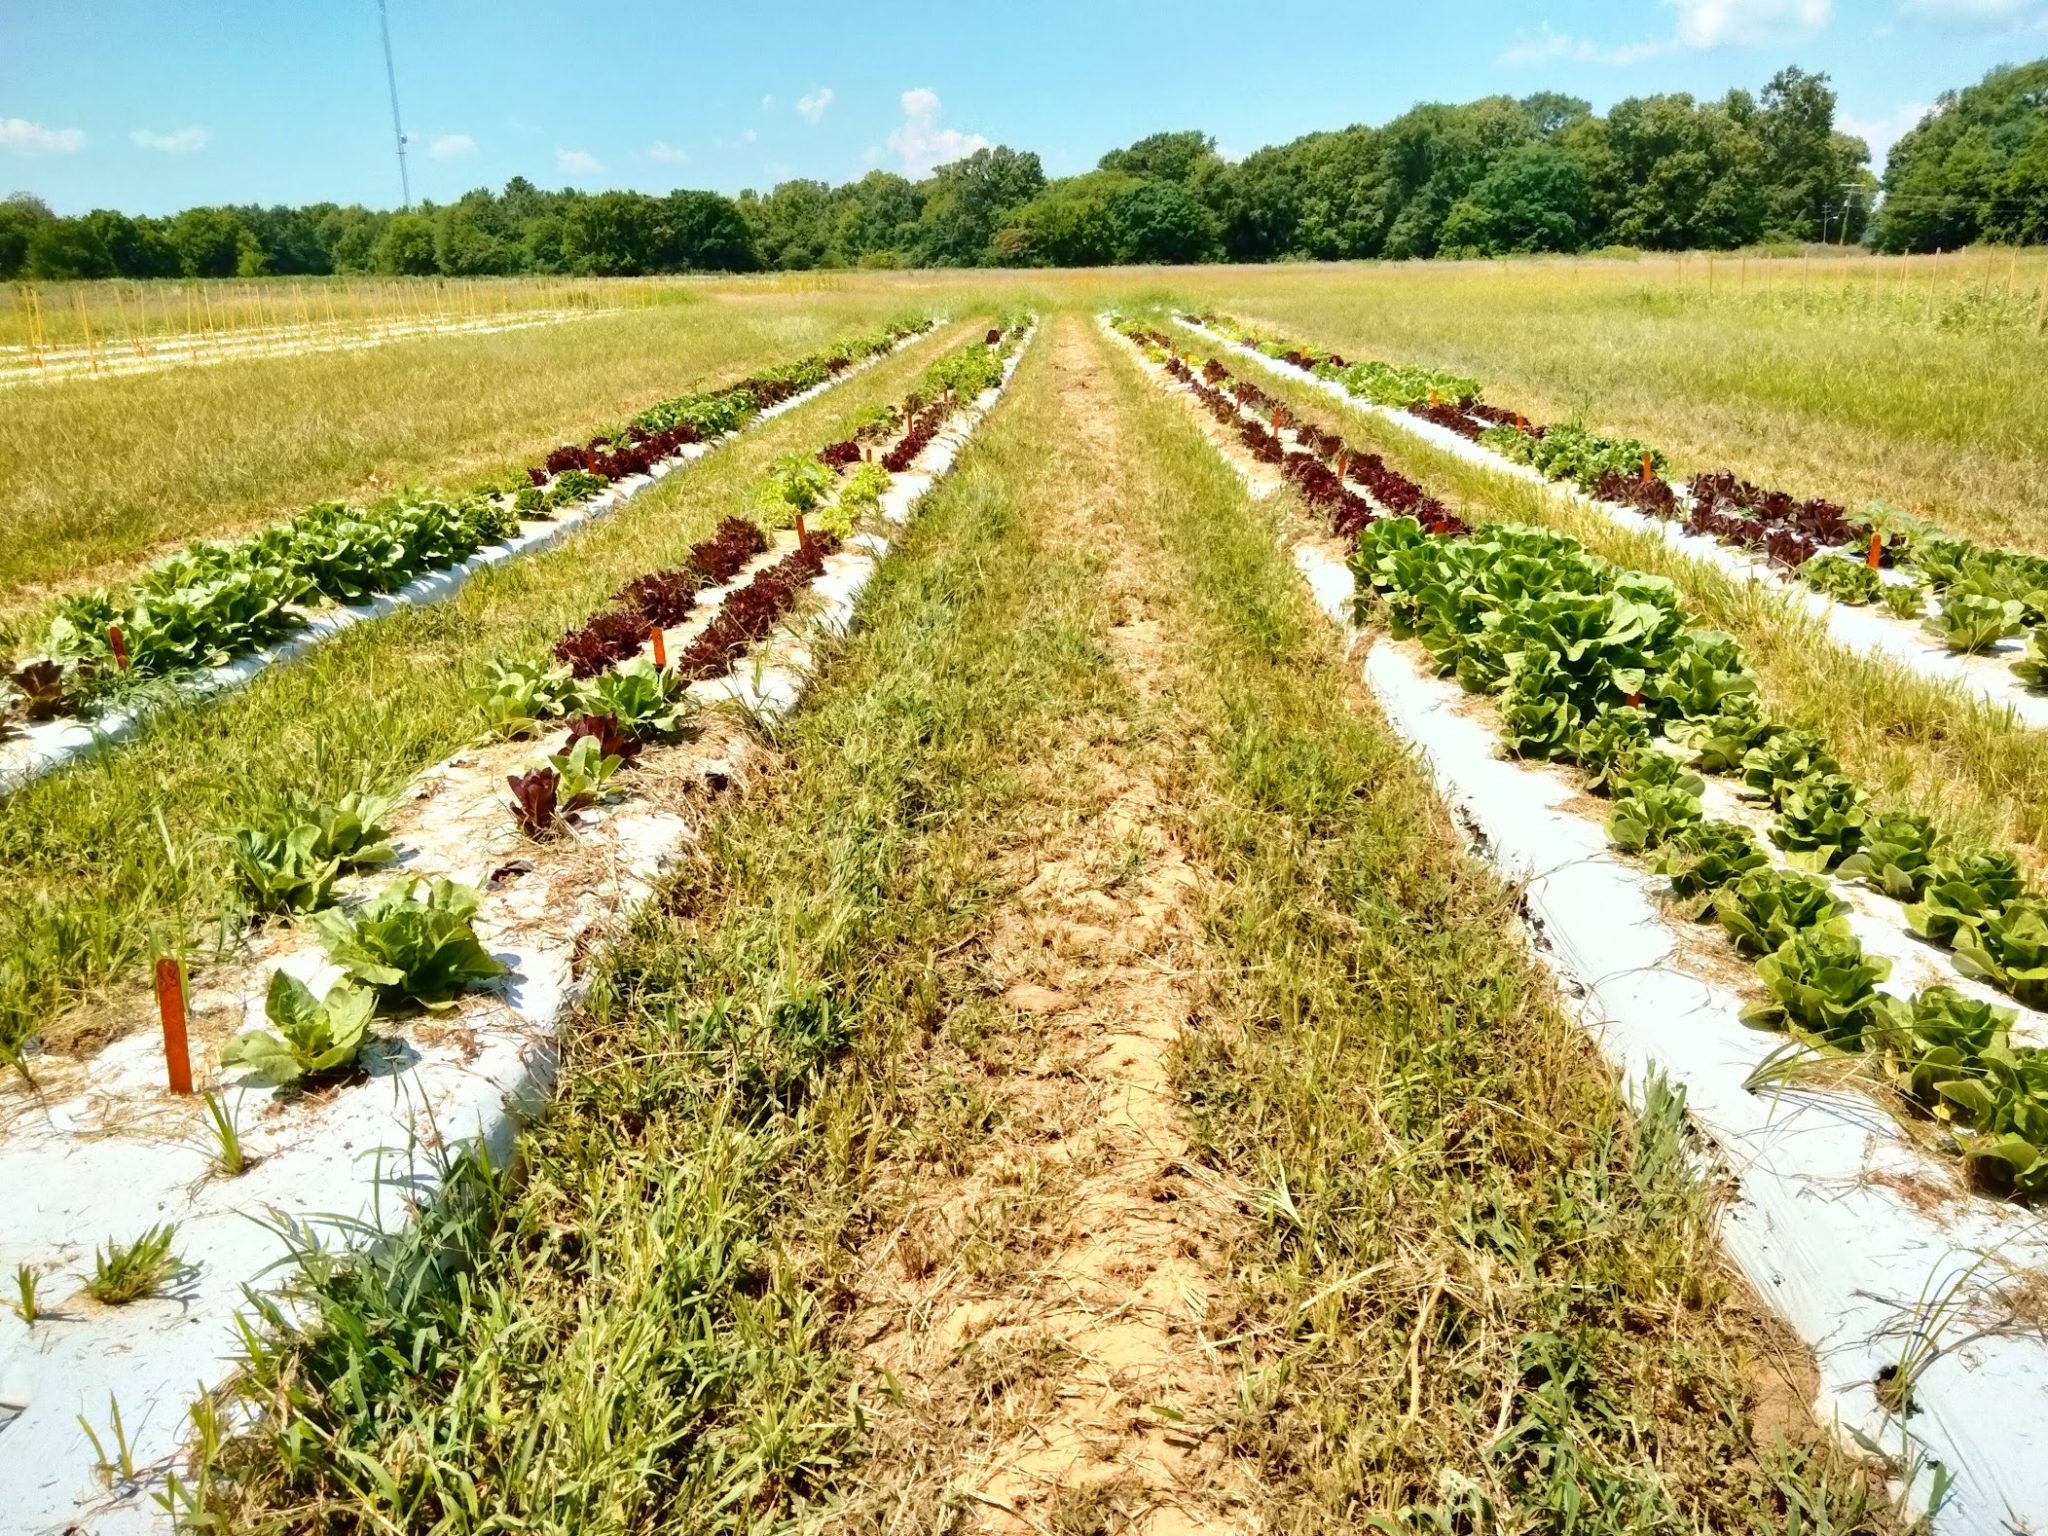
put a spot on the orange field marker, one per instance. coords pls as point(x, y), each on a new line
point(170, 1007)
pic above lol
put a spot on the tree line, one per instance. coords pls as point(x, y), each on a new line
point(1498, 176)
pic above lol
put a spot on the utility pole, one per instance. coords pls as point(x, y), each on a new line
point(391, 79)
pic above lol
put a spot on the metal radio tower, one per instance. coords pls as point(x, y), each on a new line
point(391, 79)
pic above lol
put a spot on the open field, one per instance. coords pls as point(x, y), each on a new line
point(1134, 929)
point(100, 475)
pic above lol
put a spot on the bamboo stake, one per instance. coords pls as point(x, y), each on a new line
point(92, 351)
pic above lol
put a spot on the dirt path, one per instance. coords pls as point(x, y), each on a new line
point(1049, 1308)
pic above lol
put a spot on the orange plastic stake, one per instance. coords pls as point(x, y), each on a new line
point(1646, 469)
point(1521, 423)
point(1432, 399)
point(170, 1007)
point(1876, 550)
point(120, 646)
point(803, 537)
point(660, 647)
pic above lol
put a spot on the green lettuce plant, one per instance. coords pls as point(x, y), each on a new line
point(515, 698)
point(315, 1037)
point(1968, 623)
point(1963, 890)
point(1905, 599)
point(649, 703)
point(1766, 907)
point(2009, 949)
point(411, 949)
point(1613, 734)
point(1822, 985)
point(1645, 816)
point(2007, 1104)
point(1821, 821)
point(1895, 856)
point(1717, 743)
point(1935, 1040)
point(2032, 668)
point(1785, 758)
point(1708, 855)
point(1844, 579)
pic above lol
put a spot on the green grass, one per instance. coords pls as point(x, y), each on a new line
point(1915, 744)
point(1471, 1276)
point(733, 1082)
point(1484, 1283)
point(106, 859)
point(101, 475)
point(1803, 384)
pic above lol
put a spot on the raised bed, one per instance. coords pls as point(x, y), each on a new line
point(1862, 1235)
point(1868, 631)
point(44, 746)
point(102, 1150)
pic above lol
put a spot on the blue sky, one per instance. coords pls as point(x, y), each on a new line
point(156, 106)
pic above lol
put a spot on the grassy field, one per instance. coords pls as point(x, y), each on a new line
point(99, 475)
point(894, 1187)
point(1905, 381)
point(1088, 1084)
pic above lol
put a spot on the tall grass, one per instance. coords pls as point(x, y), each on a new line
point(1916, 744)
point(105, 858)
point(1806, 375)
point(100, 475)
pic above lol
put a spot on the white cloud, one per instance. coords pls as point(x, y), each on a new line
point(751, 134)
point(577, 162)
point(1701, 25)
point(1881, 133)
point(1715, 23)
point(19, 136)
point(666, 152)
point(812, 107)
point(767, 103)
point(920, 143)
point(1993, 11)
point(179, 141)
point(1546, 46)
point(451, 146)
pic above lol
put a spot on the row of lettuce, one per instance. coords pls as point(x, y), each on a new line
point(219, 600)
point(1986, 595)
point(414, 945)
point(1597, 666)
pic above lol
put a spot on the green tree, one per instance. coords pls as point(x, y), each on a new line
point(19, 216)
point(465, 244)
point(1957, 176)
point(212, 242)
point(1160, 221)
point(1535, 198)
point(614, 234)
point(792, 226)
point(65, 250)
point(406, 247)
point(1807, 166)
point(966, 201)
point(874, 221)
point(1167, 156)
point(703, 232)
point(1073, 222)
point(137, 247)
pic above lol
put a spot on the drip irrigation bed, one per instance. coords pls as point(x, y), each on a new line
point(1911, 1289)
point(102, 1150)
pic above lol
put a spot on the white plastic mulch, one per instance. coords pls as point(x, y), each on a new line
point(105, 1152)
point(1868, 1244)
point(51, 744)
